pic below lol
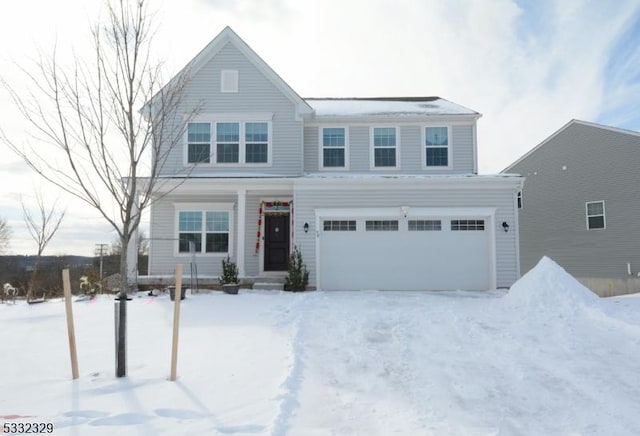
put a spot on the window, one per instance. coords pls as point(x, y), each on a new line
point(227, 142)
point(229, 81)
point(339, 226)
point(424, 225)
point(595, 215)
point(256, 142)
point(436, 146)
point(381, 225)
point(464, 225)
point(519, 199)
point(199, 142)
point(334, 147)
point(208, 230)
point(384, 147)
point(235, 142)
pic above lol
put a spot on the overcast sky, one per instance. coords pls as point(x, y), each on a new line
point(528, 67)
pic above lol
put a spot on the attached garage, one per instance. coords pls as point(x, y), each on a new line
point(406, 249)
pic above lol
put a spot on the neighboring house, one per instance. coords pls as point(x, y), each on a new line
point(377, 193)
point(581, 204)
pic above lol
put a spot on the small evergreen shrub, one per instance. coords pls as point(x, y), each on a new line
point(229, 272)
point(298, 277)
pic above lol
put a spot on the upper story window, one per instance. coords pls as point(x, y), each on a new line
point(229, 81)
point(595, 215)
point(334, 147)
point(384, 147)
point(199, 143)
point(235, 142)
point(437, 147)
point(207, 230)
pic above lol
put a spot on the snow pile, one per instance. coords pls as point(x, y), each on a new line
point(549, 288)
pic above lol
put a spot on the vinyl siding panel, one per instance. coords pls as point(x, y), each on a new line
point(601, 164)
point(256, 94)
point(307, 202)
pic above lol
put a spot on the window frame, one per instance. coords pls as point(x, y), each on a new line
point(242, 121)
point(373, 148)
point(189, 143)
point(203, 209)
point(321, 165)
point(425, 147)
point(603, 215)
point(229, 81)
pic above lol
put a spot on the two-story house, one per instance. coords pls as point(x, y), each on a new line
point(377, 193)
point(581, 205)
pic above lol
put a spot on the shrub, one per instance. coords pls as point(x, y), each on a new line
point(298, 277)
point(229, 272)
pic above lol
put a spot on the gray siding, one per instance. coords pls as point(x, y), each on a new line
point(410, 145)
point(601, 164)
point(306, 202)
point(256, 94)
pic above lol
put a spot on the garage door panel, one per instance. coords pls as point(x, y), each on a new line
point(404, 260)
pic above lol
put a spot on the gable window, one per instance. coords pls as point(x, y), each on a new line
point(384, 147)
point(229, 81)
point(207, 230)
point(436, 146)
point(199, 143)
point(334, 144)
point(595, 215)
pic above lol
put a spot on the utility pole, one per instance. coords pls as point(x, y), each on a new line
point(101, 250)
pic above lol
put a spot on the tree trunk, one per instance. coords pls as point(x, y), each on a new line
point(121, 350)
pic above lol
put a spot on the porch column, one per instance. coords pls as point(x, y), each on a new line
point(242, 213)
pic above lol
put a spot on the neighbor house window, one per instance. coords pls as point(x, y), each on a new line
point(424, 225)
point(467, 225)
point(199, 142)
point(381, 225)
point(595, 215)
point(339, 225)
point(384, 147)
point(436, 146)
point(208, 230)
point(334, 144)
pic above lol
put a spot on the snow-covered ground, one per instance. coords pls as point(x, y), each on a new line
point(547, 358)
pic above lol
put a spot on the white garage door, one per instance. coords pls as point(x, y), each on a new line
point(426, 253)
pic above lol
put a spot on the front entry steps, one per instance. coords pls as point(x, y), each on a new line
point(269, 283)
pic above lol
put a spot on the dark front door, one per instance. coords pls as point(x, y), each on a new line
point(276, 242)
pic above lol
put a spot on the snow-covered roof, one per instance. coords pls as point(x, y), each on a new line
point(385, 107)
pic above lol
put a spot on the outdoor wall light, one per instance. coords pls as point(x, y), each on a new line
point(306, 227)
point(505, 226)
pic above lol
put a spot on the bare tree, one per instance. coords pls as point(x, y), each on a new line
point(42, 227)
point(5, 235)
point(89, 114)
